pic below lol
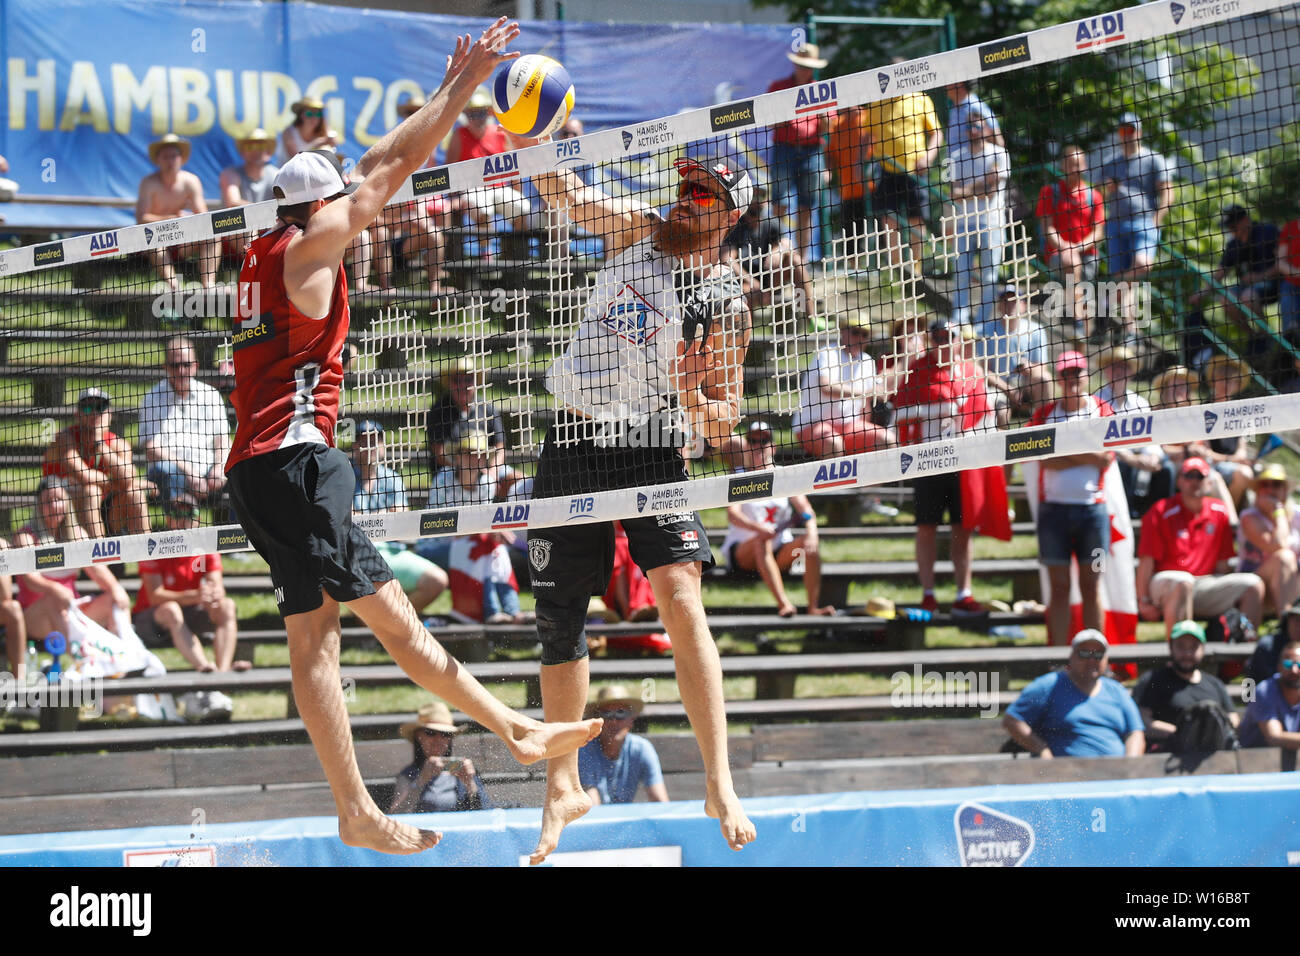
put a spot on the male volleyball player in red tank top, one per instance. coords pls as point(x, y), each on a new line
point(293, 489)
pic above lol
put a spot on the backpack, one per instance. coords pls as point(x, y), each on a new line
point(1203, 728)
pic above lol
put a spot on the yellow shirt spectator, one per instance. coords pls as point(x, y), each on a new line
point(900, 129)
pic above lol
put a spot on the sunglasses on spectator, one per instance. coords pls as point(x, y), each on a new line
point(425, 732)
point(93, 408)
point(1272, 484)
point(623, 713)
point(701, 195)
point(476, 114)
point(1291, 665)
point(313, 112)
point(1091, 655)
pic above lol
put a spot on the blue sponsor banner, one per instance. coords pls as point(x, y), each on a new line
point(89, 85)
point(1251, 819)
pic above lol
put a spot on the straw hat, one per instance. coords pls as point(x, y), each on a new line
point(1271, 472)
point(411, 105)
point(615, 694)
point(480, 99)
point(471, 442)
point(1234, 369)
point(432, 716)
point(1115, 356)
point(881, 607)
point(307, 103)
point(258, 136)
point(1174, 373)
point(171, 139)
point(808, 56)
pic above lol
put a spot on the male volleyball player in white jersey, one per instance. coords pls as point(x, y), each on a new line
point(660, 348)
point(293, 489)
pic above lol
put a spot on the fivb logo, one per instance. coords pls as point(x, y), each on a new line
point(904, 461)
point(836, 474)
point(1210, 420)
point(988, 838)
point(74, 909)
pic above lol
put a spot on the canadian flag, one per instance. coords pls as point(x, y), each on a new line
point(474, 561)
point(1119, 582)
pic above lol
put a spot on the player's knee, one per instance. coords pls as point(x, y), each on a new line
point(562, 630)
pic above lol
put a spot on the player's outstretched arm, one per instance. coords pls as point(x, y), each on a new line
point(404, 149)
point(620, 222)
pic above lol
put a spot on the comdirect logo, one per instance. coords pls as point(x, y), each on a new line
point(1177, 10)
point(988, 838)
point(1210, 420)
point(47, 255)
point(747, 487)
point(232, 540)
point(1004, 53)
point(732, 115)
point(883, 80)
point(836, 474)
point(1031, 444)
point(228, 220)
point(1129, 430)
point(49, 558)
point(430, 181)
point(904, 462)
point(439, 522)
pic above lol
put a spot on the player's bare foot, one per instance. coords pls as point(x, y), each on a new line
point(821, 611)
point(386, 835)
point(726, 809)
point(537, 741)
point(787, 610)
point(562, 808)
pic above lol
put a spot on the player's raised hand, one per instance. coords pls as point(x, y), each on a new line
point(476, 61)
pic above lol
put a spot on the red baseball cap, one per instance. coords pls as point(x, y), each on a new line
point(1071, 360)
point(1194, 464)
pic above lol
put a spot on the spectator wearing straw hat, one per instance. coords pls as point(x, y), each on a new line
point(110, 498)
point(798, 165)
point(1183, 553)
point(251, 180)
point(1078, 711)
point(1273, 717)
point(1267, 539)
point(1139, 190)
point(186, 596)
point(1073, 220)
point(1073, 520)
point(1165, 695)
point(1251, 253)
point(904, 136)
point(765, 260)
point(308, 130)
point(435, 781)
point(172, 192)
point(457, 409)
point(836, 396)
point(616, 763)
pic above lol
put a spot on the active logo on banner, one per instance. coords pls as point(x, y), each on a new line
point(1242, 419)
point(232, 540)
point(1004, 53)
point(748, 487)
point(835, 474)
point(1129, 430)
point(1031, 444)
point(439, 522)
point(664, 498)
point(430, 181)
point(228, 220)
point(904, 461)
point(539, 553)
point(988, 838)
point(1177, 10)
point(732, 115)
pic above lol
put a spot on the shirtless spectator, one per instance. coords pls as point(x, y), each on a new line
point(409, 229)
point(11, 619)
point(108, 495)
point(250, 181)
point(172, 192)
point(836, 396)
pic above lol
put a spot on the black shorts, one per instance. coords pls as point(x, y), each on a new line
point(570, 564)
point(897, 193)
point(935, 495)
point(296, 507)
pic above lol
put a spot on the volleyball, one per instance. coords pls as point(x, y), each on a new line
point(533, 96)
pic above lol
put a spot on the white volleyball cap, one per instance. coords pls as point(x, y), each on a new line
point(310, 175)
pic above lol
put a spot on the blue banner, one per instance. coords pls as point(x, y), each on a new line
point(88, 85)
point(1246, 820)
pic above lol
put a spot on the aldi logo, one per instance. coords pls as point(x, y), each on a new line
point(1130, 430)
point(1099, 31)
point(105, 552)
point(500, 168)
point(510, 516)
point(103, 244)
point(815, 97)
point(836, 474)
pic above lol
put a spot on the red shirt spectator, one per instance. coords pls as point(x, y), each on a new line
point(1179, 539)
point(178, 574)
point(1290, 239)
point(1075, 213)
point(802, 130)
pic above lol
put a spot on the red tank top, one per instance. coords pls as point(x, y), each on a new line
point(88, 450)
point(471, 147)
point(288, 366)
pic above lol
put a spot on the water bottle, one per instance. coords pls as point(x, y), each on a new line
point(33, 664)
point(1008, 632)
point(55, 645)
point(919, 614)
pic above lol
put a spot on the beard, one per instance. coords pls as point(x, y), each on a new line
point(678, 237)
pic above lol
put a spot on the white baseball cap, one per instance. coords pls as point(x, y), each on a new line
point(1090, 634)
point(310, 175)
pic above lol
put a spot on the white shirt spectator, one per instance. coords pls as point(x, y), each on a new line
point(774, 511)
point(834, 366)
point(447, 492)
point(969, 166)
point(185, 427)
point(1003, 352)
point(1081, 484)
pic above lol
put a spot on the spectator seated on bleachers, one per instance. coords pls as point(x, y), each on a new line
point(1226, 378)
point(1166, 695)
point(168, 193)
point(836, 396)
point(1273, 718)
point(457, 409)
point(96, 464)
point(760, 535)
point(12, 620)
point(184, 430)
point(308, 130)
point(184, 597)
point(1251, 253)
point(379, 488)
point(464, 478)
point(435, 781)
point(1268, 540)
point(410, 229)
point(1183, 554)
point(250, 181)
point(1268, 650)
point(478, 136)
point(1077, 711)
point(764, 260)
point(617, 762)
point(1147, 473)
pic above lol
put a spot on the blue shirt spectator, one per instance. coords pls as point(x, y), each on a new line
point(617, 780)
point(1073, 723)
point(385, 491)
point(1270, 703)
point(967, 106)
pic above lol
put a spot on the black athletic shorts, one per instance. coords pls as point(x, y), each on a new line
point(897, 193)
point(296, 507)
point(572, 563)
point(935, 495)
